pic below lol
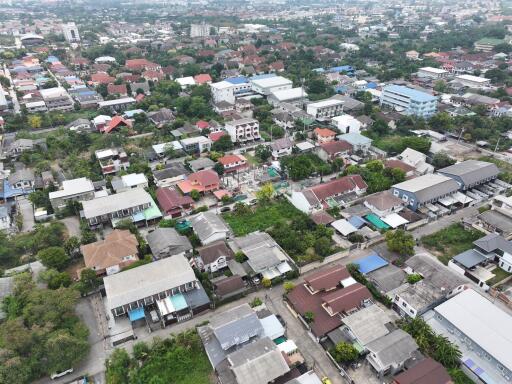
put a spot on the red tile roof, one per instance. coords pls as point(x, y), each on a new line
point(324, 132)
point(334, 147)
point(214, 136)
point(102, 78)
point(398, 164)
point(170, 199)
point(229, 285)
point(328, 278)
point(202, 78)
point(427, 371)
point(116, 122)
point(339, 186)
point(201, 124)
point(303, 301)
point(113, 88)
point(346, 299)
point(230, 159)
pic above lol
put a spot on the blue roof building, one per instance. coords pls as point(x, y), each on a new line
point(237, 80)
point(409, 100)
point(370, 263)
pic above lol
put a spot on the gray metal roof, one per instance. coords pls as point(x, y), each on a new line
point(493, 242)
point(388, 277)
point(168, 240)
point(261, 250)
point(435, 273)
point(471, 171)
point(429, 187)
point(236, 326)
point(205, 224)
point(258, 363)
point(368, 324)
point(469, 258)
point(394, 348)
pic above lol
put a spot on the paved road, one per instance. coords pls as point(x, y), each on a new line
point(445, 221)
point(27, 212)
point(12, 92)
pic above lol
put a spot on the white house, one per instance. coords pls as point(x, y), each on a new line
point(242, 130)
point(347, 124)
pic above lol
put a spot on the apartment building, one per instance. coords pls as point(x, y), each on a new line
point(198, 144)
point(325, 109)
point(57, 99)
point(242, 130)
point(409, 100)
point(473, 81)
point(200, 30)
point(230, 89)
point(72, 190)
point(70, 31)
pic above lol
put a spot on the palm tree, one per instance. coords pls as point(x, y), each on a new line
point(446, 352)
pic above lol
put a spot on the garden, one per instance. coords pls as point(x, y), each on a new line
point(451, 241)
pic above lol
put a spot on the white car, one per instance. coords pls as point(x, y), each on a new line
point(56, 375)
point(154, 316)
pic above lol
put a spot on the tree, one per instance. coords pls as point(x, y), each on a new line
point(262, 152)
point(323, 246)
point(118, 367)
point(63, 351)
point(72, 246)
point(414, 278)
point(266, 282)
point(441, 160)
point(55, 279)
point(401, 242)
point(195, 195)
point(240, 256)
point(266, 192)
point(446, 352)
point(309, 317)
point(288, 286)
point(54, 257)
point(440, 86)
point(223, 144)
point(89, 281)
point(35, 121)
point(345, 353)
point(219, 168)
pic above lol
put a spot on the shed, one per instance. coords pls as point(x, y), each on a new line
point(344, 227)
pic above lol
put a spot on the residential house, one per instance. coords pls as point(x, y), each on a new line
point(242, 130)
point(281, 147)
point(424, 190)
point(264, 256)
point(334, 149)
point(203, 181)
point(79, 125)
point(214, 257)
point(173, 203)
point(170, 283)
point(325, 292)
point(115, 89)
point(412, 55)
point(130, 181)
point(170, 175)
point(141, 65)
point(346, 124)
point(196, 145)
point(117, 105)
point(384, 203)
point(438, 284)
point(209, 227)
point(23, 179)
point(57, 99)
point(495, 248)
point(417, 160)
point(499, 218)
point(112, 160)
point(324, 135)
point(72, 190)
point(408, 170)
point(119, 249)
point(390, 353)
point(425, 371)
point(359, 142)
point(167, 242)
point(134, 204)
point(233, 163)
point(161, 117)
point(317, 197)
point(226, 287)
point(201, 163)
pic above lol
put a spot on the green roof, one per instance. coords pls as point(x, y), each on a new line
point(152, 212)
point(376, 221)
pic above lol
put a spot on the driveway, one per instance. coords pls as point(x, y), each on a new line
point(72, 225)
point(27, 212)
point(445, 221)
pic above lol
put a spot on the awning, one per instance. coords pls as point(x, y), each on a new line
point(432, 207)
point(165, 306)
point(270, 274)
point(357, 222)
point(462, 198)
point(343, 227)
point(394, 220)
point(447, 201)
point(376, 221)
point(284, 267)
point(136, 314)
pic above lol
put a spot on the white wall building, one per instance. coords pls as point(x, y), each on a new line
point(347, 124)
point(243, 130)
point(432, 73)
point(325, 109)
point(200, 30)
point(267, 85)
point(70, 31)
point(227, 91)
point(473, 81)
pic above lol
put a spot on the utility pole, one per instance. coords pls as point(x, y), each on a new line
point(460, 135)
point(497, 143)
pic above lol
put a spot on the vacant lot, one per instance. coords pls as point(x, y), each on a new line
point(451, 241)
point(262, 217)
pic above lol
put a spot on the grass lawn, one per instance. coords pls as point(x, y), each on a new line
point(500, 275)
point(450, 241)
point(262, 217)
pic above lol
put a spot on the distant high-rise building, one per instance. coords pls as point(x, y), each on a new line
point(200, 30)
point(71, 33)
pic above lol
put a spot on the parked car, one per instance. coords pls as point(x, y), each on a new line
point(56, 375)
point(225, 209)
point(154, 316)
